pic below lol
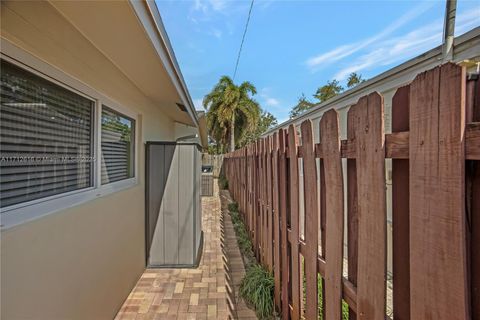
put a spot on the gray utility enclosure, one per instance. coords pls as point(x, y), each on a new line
point(173, 206)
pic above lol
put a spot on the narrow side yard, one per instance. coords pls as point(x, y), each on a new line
point(207, 292)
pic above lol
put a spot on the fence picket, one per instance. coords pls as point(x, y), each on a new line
point(330, 142)
point(352, 209)
point(294, 221)
point(400, 211)
point(369, 146)
point(311, 220)
point(473, 175)
point(276, 219)
point(283, 180)
point(437, 198)
point(269, 205)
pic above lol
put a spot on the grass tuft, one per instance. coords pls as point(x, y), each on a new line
point(257, 290)
point(222, 182)
point(257, 286)
point(233, 207)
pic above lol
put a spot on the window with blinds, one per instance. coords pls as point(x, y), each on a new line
point(46, 138)
point(117, 146)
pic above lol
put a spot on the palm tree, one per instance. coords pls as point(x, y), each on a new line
point(231, 111)
point(354, 79)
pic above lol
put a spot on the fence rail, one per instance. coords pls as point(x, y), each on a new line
point(434, 147)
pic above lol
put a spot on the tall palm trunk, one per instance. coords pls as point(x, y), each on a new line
point(232, 134)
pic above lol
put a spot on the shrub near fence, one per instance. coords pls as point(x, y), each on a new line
point(434, 147)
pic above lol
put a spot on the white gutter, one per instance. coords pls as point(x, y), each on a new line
point(449, 30)
point(147, 12)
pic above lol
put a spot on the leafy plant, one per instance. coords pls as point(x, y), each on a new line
point(257, 290)
point(222, 182)
point(233, 207)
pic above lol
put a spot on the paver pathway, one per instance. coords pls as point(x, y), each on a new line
point(207, 292)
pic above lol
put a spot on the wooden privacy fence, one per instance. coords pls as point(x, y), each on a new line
point(434, 147)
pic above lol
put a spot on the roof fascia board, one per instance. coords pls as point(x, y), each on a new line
point(149, 16)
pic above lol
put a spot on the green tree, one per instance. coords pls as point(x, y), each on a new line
point(265, 122)
point(302, 105)
point(354, 79)
point(232, 112)
point(330, 90)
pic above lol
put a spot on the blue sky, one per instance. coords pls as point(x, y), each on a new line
point(293, 47)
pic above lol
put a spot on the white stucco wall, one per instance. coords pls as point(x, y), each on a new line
point(80, 262)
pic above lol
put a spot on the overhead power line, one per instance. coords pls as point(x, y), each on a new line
point(243, 40)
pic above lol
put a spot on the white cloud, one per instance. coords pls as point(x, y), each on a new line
point(346, 50)
point(407, 46)
point(198, 103)
point(272, 102)
point(267, 99)
point(207, 6)
point(217, 33)
point(218, 5)
point(332, 56)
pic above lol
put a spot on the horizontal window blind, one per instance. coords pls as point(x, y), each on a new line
point(46, 138)
point(117, 146)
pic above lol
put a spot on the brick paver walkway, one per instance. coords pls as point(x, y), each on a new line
point(208, 292)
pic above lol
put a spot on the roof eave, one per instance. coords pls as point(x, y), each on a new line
point(165, 51)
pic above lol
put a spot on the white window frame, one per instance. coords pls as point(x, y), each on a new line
point(123, 112)
point(26, 211)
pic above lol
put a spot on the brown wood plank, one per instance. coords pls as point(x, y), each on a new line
point(330, 136)
point(371, 207)
point(473, 202)
point(263, 196)
point(352, 210)
point(311, 220)
point(472, 136)
point(438, 285)
point(270, 203)
point(276, 221)
point(282, 172)
point(400, 211)
point(269, 211)
point(396, 145)
point(294, 216)
point(323, 226)
point(257, 198)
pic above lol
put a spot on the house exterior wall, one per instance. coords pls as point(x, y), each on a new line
point(79, 262)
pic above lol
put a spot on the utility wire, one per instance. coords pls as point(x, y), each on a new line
point(243, 39)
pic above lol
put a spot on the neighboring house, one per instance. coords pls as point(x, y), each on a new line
point(84, 85)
